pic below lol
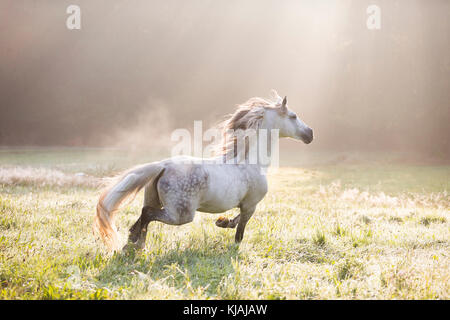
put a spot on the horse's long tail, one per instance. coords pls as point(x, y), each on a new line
point(128, 184)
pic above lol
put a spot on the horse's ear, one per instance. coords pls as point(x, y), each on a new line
point(283, 105)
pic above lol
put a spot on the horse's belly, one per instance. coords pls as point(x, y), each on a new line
point(215, 207)
point(221, 199)
point(216, 202)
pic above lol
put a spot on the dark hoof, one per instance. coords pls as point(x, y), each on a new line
point(222, 222)
point(130, 246)
point(133, 236)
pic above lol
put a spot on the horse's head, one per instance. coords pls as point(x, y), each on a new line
point(288, 123)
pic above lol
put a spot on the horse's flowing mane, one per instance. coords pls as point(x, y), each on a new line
point(248, 115)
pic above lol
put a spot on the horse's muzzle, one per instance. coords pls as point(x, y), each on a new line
point(307, 136)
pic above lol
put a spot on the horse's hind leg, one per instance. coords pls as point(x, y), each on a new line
point(138, 231)
point(148, 215)
point(140, 224)
point(151, 203)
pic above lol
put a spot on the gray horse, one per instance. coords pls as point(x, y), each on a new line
point(176, 188)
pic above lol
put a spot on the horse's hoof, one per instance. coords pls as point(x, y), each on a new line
point(222, 222)
point(130, 246)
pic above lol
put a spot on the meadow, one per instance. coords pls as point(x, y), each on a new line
point(330, 230)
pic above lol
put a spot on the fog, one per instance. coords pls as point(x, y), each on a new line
point(137, 70)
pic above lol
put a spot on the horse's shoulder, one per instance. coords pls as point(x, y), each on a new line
point(257, 182)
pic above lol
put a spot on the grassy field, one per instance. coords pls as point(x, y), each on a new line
point(347, 230)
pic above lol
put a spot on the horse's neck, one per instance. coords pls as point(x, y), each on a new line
point(261, 147)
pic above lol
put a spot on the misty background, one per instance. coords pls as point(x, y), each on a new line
point(139, 69)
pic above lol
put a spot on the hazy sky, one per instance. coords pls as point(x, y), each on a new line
point(139, 67)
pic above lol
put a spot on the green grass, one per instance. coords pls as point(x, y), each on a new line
point(340, 231)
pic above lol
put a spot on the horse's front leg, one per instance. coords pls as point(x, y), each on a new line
point(224, 222)
point(246, 214)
